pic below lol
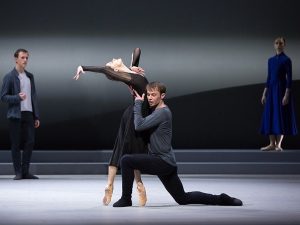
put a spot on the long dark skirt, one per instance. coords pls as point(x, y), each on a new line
point(128, 140)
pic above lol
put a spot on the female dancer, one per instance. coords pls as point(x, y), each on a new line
point(279, 115)
point(128, 141)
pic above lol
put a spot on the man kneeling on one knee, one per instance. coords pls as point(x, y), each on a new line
point(161, 159)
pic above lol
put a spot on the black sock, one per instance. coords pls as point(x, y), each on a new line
point(123, 202)
point(227, 200)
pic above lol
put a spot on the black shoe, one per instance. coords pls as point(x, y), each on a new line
point(18, 176)
point(29, 176)
point(227, 200)
point(123, 203)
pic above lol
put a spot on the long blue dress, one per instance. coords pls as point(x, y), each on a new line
point(278, 119)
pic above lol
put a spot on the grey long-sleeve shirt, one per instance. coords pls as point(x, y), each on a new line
point(159, 123)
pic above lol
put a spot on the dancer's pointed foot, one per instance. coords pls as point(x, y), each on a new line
point(268, 148)
point(229, 201)
point(142, 194)
point(108, 194)
point(278, 149)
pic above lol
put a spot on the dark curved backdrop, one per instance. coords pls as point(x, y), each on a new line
point(211, 55)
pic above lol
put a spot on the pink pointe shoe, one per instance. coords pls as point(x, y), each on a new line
point(142, 194)
point(108, 194)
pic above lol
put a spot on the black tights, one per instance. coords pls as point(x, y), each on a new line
point(167, 173)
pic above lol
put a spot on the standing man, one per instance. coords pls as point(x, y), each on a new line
point(18, 91)
point(161, 159)
point(279, 117)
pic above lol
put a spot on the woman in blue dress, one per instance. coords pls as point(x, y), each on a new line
point(279, 115)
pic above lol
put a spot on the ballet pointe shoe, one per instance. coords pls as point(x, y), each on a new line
point(268, 148)
point(108, 194)
point(142, 194)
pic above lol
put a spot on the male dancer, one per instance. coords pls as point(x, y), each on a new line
point(161, 160)
point(18, 91)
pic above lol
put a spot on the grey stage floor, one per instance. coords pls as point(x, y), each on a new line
point(76, 199)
